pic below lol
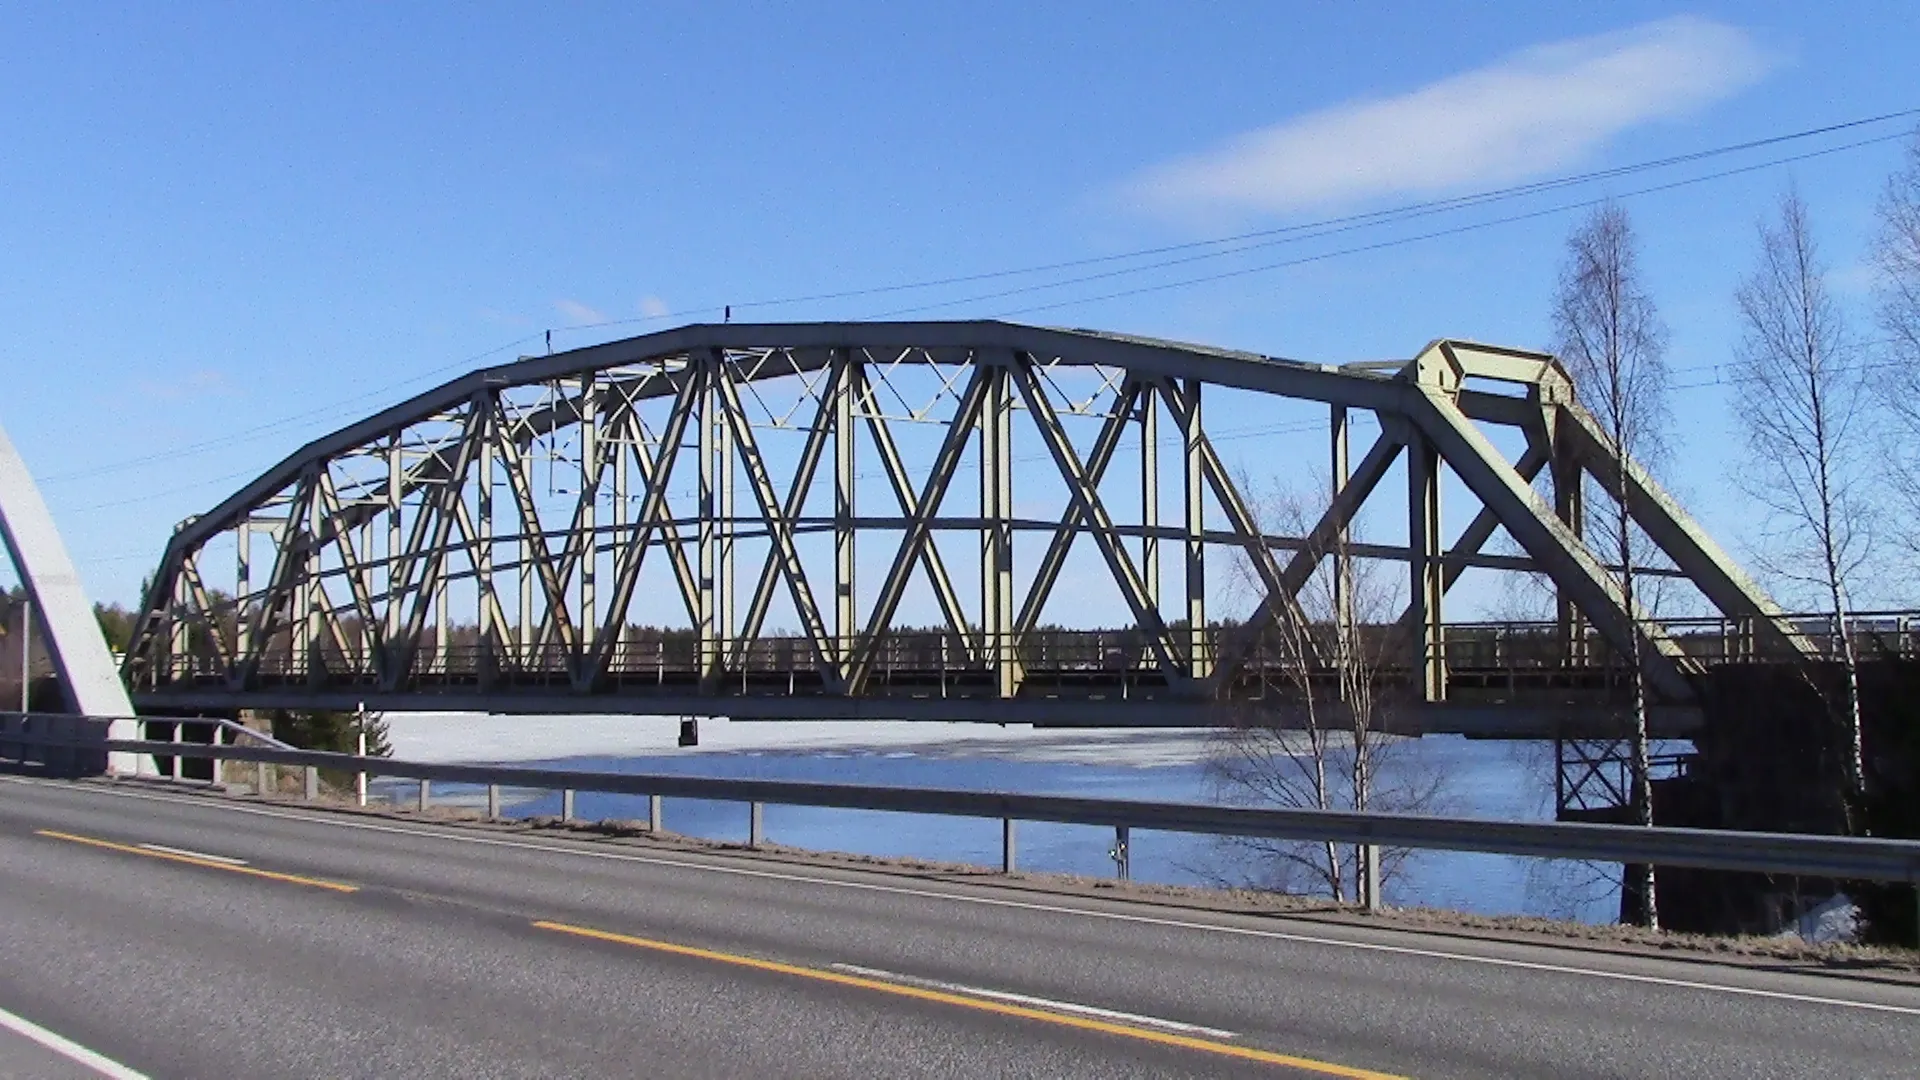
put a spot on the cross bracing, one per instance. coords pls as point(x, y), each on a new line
point(910, 519)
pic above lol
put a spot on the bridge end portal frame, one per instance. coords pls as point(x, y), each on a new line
point(731, 520)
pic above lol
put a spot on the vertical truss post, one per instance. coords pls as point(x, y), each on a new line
point(442, 626)
point(1428, 585)
point(243, 585)
point(1150, 497)
point(622, 460)
point(588, 517)
point(1193, 442)
point(1342, 555)
point(708, 399)
point(179, 645)
point(525, 555)
point(1569, 505)
point(396, 496)
point(724, 449)
point(363, 580)
point(996, 536)
point(312, 595)
point(488, 659)
point(845, 614)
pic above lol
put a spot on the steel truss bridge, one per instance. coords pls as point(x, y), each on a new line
point(730, 520)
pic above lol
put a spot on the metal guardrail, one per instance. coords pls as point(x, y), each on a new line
point(1843, 858)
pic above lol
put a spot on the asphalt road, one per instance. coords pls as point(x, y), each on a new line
point(182, 935)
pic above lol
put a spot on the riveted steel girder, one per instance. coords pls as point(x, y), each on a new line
point(388, 540)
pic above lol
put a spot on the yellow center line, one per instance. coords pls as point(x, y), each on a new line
point(190, 860)
point(1187, 1042)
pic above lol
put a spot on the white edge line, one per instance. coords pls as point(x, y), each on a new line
point(68, 1049)
point(225, 860)
point(1027, 999)
point(1021, 905)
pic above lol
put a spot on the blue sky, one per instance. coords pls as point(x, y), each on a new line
point(229, 229)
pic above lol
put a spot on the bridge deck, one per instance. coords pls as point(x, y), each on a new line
point(1502, 681)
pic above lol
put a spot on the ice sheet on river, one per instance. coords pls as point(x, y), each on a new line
point(481, 737)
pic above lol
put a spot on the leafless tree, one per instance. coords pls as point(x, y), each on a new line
point(1613, 344)
point(1801, 404)
point(1316, 741)
point(1897, 383)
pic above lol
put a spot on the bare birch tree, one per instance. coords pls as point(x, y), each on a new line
point(1897, 383)
point(1610, 337)
point(1328, 749)
point(1800, 403)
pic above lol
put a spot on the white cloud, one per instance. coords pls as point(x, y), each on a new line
point(1535, 111)
point(503, 318)
point(577, 312)
point(197, 384)
point(654, 308)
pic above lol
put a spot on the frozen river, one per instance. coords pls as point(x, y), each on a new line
point(1483, 779)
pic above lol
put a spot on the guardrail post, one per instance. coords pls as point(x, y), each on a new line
point(1369, 883)
point(178, 761)
point(260, 779)
point(1007, 852)
point(1122, 862)
point(426, 792)
point(756, 825)
point(313, 783)
point(213, 740)
point(493, 801)
point(655, 815)
point(566, 805)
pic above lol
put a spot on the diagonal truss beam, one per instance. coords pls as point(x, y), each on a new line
point(898, 478)
point(1085, 498)
point(342, 535)
point(1551, 544)
point(1481, 529)
point(919, 521)
point(197, 589)
point(1333, 525)
point(826, 426)
point(671, 542)
point(1675, 532)
point(1072, 523)
point(779, 529)
point(1279, 601)
point(289, 555)
point(479, 424)
point(513, 464)
point(653, 509)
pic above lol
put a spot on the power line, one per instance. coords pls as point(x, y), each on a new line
point(1349, 220)
point(1278, 235)
point(247, 434)
point(1395, 242)
point(1247, 241)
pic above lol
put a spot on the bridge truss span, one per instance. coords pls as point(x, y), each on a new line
point(971, 521)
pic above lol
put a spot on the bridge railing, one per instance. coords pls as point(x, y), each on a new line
point(1519, 650)
point(27, 737)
